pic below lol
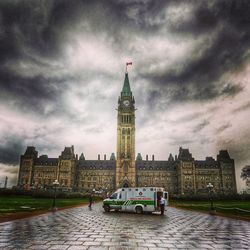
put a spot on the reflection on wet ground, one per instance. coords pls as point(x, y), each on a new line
point(84, 228)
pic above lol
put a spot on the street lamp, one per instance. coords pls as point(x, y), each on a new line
point(210, 191)
point(55, 184)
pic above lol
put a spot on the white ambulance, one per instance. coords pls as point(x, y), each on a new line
point(138, 199)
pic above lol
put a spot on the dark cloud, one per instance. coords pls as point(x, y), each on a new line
point(205, 141)
point(201, 78)
point(32, 93)
point(181, 142)
point(41, 28)
point(244, 107)
point(27, 24)
point(35, 32)
point(231, 90)
point(200, 126)
point(223, 128)
point(11, 151)
point(189, 117)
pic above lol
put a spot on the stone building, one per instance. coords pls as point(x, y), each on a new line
point(181, 174)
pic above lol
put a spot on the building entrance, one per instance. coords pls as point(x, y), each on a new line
point(125, 184)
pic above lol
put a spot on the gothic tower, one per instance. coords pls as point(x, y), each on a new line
point(125, 165)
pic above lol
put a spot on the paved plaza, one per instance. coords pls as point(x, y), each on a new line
point(81, 228)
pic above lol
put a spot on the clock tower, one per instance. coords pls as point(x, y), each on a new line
point(125, 164)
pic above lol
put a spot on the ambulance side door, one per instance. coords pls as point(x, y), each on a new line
point(166, 198)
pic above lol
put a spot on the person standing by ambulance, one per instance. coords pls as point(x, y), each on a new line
point(90, 200)
point(162, 204)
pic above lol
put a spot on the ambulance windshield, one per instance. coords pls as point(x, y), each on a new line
point(113, 196)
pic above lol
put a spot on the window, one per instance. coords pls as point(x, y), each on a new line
point(125, 168)
point(113, 196)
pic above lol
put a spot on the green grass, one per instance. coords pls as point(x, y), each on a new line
point(15, 204)
point(222, 207)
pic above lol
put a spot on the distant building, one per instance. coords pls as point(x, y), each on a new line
point(181, 174)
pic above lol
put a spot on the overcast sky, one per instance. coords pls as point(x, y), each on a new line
point(62, 66)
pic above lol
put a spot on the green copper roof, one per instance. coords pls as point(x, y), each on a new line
point(112, 157)
point(139, 157)
point(126, 91)
point(82, 158)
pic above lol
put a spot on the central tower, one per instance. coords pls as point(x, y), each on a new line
point(125, 166)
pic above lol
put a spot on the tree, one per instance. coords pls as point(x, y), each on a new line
point(245, 172)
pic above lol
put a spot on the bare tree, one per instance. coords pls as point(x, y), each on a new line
point(245, 172)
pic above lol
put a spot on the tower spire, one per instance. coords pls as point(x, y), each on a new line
point(126, 91)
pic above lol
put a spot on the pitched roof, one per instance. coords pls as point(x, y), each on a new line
point(126, 91)
point(68, 153)
point(44, 160)
point(184, 155)
point(155, 165)
point(224, 156)
point(98, 164)
point(30, 152)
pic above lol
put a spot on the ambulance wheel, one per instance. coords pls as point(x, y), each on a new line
point(139, 210)
point(106, 208)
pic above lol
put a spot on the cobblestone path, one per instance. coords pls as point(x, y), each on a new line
point(80, 228)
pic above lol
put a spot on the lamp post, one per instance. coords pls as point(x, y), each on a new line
point(210, 191)
point(55, 184)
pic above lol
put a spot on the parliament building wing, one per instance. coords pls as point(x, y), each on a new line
point(180, 174)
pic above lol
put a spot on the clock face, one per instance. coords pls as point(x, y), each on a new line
point(126, 103)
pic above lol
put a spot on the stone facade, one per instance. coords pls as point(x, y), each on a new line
point(181, 174)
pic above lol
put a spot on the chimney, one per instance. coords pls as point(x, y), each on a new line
point(77, 157)
point(98, 157)
point(146, 157)
point(105, 157)
point(175, 157)
point(153, 157)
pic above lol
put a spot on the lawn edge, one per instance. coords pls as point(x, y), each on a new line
point(23, 215)
point(236, 217)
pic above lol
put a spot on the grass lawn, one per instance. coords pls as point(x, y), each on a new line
point(13, 205)
point(222, 207)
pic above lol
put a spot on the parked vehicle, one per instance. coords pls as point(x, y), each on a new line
point(138, 199)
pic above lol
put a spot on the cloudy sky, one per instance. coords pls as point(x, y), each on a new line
point(62, 68)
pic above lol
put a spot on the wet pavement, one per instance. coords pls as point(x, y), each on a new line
point(81, 228)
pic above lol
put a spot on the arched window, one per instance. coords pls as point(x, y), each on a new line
point(125, 167)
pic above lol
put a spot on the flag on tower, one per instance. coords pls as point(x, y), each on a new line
point(128, 63)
